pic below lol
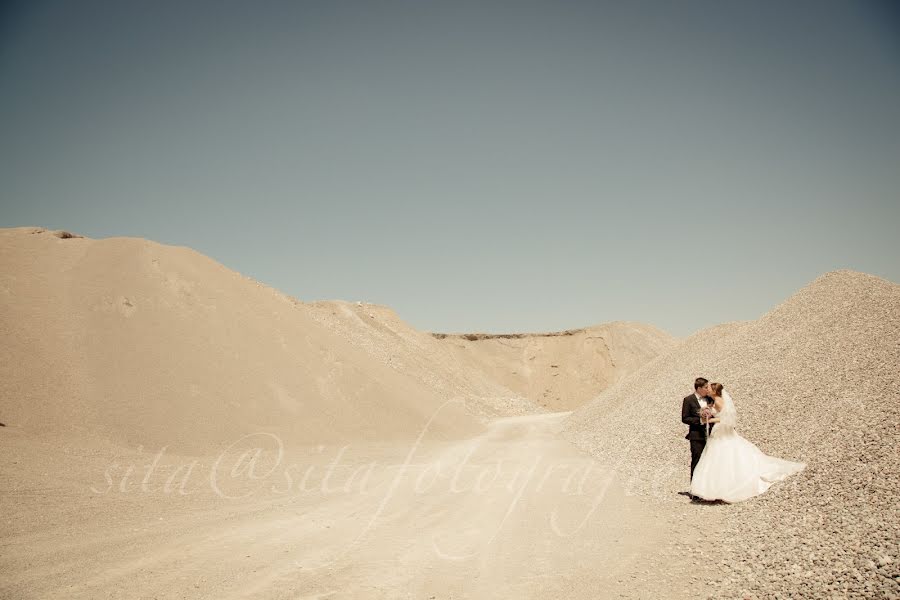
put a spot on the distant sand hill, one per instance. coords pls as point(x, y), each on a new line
point(142, 343)
point(562, 370)
point(501, 374)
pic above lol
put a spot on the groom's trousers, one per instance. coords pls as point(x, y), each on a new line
point(696, 450)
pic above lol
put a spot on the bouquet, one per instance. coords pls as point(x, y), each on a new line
point(706, 413)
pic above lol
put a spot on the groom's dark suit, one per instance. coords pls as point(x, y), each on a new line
point(690, 416)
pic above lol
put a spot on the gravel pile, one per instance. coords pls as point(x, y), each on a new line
point(816, 380)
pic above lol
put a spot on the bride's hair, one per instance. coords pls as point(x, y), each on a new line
point(716, 388)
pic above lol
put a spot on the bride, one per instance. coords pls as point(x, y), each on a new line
point(731, 468)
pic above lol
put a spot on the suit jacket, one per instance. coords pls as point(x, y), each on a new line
point(690, 416)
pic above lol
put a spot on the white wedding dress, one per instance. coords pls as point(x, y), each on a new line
point(733, 469)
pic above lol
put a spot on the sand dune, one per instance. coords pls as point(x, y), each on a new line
point(562, 370)
point(142, 343)
point(500, 374)
point(379, 332)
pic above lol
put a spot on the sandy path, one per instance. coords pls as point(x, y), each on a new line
point(513, 513)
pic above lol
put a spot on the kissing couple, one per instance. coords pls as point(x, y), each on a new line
point(724, 465)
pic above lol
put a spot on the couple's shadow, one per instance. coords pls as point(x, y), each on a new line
point(699, 500)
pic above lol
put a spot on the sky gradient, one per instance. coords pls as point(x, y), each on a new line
point(476, 166)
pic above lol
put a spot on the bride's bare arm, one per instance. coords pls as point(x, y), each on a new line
point(718, 405)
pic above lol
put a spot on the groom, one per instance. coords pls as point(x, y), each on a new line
point(690, 416)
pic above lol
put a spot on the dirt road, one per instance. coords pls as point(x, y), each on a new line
point(514, 512)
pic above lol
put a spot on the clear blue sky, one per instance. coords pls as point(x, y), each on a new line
point(477, 166)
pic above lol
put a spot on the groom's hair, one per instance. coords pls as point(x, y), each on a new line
point(700, 382)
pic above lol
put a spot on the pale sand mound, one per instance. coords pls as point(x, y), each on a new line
point(136, 342)
point(382, 335)
point(817, 380)
point(561, 370)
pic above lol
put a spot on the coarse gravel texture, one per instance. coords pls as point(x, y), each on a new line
point(817, 380)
